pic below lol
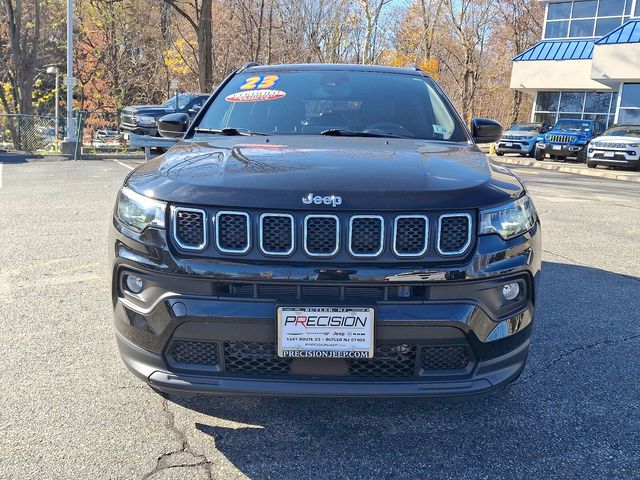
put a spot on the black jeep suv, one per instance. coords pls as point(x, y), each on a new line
point(325, 230)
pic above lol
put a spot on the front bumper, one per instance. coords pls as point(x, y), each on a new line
point(458, 308)
point(515, 146)
point(562, 150)
point(629, 157)
point(139, 130)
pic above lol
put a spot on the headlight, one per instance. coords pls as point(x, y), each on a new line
point(138, 211)
point(509, 220)
point(145, 120)
point(634, 145)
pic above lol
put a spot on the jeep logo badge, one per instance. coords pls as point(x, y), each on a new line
point(333, 200)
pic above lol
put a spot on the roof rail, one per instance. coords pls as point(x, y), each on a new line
point(248, 65)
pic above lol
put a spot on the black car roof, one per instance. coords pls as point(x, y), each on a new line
point(324, 67)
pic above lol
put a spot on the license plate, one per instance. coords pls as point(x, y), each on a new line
point(126, 136)
point(509, 144)
point(325, 332)
point(557, 147)
point(609, 154)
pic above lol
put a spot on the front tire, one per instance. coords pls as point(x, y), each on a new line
point(499, 153)
point(582, 156)
point(592, 164)
point(539, 155)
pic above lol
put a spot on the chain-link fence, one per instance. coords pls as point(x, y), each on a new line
point(34, 133)
point(28, 132)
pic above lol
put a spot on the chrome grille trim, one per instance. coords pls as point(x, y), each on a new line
point(293, 233)
point(366, 255)
point(561, 138)
point(304, 236)
point(469, 233)
point(217, 228)
point(426, 236)
point(174, 228)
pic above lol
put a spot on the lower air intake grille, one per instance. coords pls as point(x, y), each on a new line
point(321, 235)
point(449, 357)
point(388, 361)
point(253, 358)
point(232, 230)
point(454, 234)
point(189, 228)
point(411, 235)
point(194, 352)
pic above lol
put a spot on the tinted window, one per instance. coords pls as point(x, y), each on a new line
point(183, 100)
point(310, 102)
point(584, 9)
point(630, 95)
point(548, 101)
point(559, 11)
point(609, 8)
point(556, 29)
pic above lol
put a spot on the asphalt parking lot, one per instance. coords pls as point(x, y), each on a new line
point(70, 409)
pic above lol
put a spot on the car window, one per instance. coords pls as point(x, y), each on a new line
point(310, 102)
point(183, 100)
point(572, 125)
point(526, 127)
point(630, 131)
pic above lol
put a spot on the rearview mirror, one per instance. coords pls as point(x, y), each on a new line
point(173, 125)
point(485, 130)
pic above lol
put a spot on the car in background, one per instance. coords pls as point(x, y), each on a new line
point(141, 119)
point(619, 146)
point(520, 138)
point(106, 139)
point(569, 137)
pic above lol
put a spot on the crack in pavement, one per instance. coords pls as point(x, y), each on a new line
point(163, 461)
point(573, 260)
point(548, 366)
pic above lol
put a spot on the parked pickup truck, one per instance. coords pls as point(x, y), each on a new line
point(569, 137)
point(141, 119)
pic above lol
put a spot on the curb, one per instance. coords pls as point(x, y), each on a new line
point(587, 172)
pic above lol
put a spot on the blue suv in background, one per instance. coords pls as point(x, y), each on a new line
point(569, 137)
point(520, 138)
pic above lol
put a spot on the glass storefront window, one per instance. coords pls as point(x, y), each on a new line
point(572, 102)
point(547, 101)
point(586, 18)
point(630, 95)
point(599, 106)
point(629, 116)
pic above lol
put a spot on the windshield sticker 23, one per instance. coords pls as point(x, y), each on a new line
point(440, 129)
point(260, 83)
point(255, 96)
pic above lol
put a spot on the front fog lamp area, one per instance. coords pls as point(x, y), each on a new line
point(509, 220)
point(133, 283)
point(510, 291)
point(140, 212)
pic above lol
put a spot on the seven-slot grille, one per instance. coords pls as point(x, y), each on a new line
point(321, 233)
point(561, 138)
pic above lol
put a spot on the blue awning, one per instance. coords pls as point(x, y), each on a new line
point(626, 33)
point(558, 50)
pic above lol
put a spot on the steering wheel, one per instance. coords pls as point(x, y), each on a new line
point(388, 127)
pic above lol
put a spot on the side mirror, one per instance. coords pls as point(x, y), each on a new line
point(173, 125)
point(485, 130)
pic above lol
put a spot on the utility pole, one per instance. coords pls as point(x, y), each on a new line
point(56, 71)
point(68, 145)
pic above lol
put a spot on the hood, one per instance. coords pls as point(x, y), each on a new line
point(147, 109)
point(370, 174)
point(619, 140)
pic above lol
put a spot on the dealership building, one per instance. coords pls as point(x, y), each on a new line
point(587, 64)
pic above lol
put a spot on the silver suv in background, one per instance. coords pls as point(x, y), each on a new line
point(619, 146)
point(520, 138)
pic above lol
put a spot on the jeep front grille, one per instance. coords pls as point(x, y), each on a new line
point(561, 138)
point(277, 234)
point(366, 235)
point(189, 228)
point(360, 236)
point(233, 232)
point(454, 233)
point(321, 235)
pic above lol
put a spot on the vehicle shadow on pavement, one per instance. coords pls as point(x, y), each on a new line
point(569, 415)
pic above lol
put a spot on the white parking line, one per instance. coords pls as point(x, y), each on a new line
point(124, 164)
point(1, 164)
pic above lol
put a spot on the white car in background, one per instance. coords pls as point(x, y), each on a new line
point(619, 146)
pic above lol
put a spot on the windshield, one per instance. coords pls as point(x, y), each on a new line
point(572, 125)
point(526, 127)
point(183, 99)
point(313, 102)
point(628, 131)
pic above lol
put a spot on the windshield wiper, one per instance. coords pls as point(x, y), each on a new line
point(229, 131)
point(342, 132)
